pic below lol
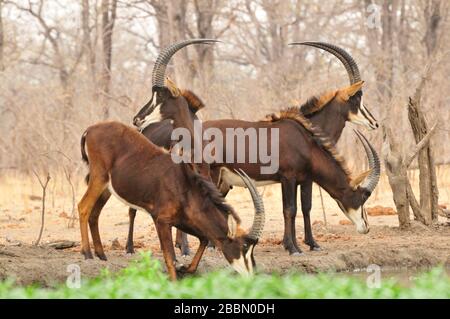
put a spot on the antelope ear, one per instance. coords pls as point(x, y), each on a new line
point(356, 181)
point(232, 227)
point(347, 92)
point(174, 90)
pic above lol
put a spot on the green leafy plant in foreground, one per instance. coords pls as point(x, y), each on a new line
point(144, 279)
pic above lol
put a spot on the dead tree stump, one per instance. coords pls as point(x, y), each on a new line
point(396, 164)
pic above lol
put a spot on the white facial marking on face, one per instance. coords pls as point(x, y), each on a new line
point(248, 257)
point(363, 117)
point(154, 116)
point(364, 111)
point(355, 216)
point(359, 117)
point(362, 225)
point(239, 266)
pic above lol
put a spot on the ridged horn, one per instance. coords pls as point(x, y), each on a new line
point(346, 59)
point(374, 164)
point(259, 219)
point(159, 69)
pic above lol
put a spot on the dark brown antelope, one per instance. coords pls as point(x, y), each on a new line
point(304, 154)
point(159, 133)
point(177, 109)
point(330, 116)
point(328, 112)
point(160, 92)
point(142, 175)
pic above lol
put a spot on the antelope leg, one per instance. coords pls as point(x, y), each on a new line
point(306, 200)
point(130, 244)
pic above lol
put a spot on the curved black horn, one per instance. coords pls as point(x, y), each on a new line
point(259, 219)
point(374, 164)
point(159, 70)
point(346, 59)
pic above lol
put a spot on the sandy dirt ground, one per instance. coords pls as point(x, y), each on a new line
point(343, 249)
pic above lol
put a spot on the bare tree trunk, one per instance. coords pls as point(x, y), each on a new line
point(418, 214)
point(205, 12)
point(429, 194)
point(388, 22)
point(403, 37)
point(431, 41)
point(161, 16)
point(2, 65)
point(419, 128)
point(87, 43)
point(176, 13)
point(397, 166)
point(109, 9)
point(435, 208)
point(433, 16)
point(398, 178)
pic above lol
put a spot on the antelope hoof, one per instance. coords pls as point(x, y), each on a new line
point(87, 255)
point(313, 246)
point(101, 256)
point(296, 253)
point(130, 250)
point(183, 271)
point(293, 249)
point(211, 246)
point(185, 252)
point(181, 268)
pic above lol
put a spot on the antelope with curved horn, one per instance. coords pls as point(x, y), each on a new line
point(177, 108)
point(160, 92)
point(333, 109)
point(159, 133)
point(305, 155)
point(142, 175)
point(328, 112)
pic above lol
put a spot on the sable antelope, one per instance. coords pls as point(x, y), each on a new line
point(142, 175)
point(305, 154)
point(159, 133)
point(329, 112)
point(330, 115)
point(160, 92)
point(177, 108)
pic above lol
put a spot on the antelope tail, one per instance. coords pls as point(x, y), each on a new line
point(84, 154)
point(83, 149)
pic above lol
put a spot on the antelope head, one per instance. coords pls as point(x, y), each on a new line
point(238, 247)
point(165, 95)
point(361, 187)
point(350, 98)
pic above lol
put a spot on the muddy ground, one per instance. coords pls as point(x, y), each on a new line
point(342, 251)
point(343, 248)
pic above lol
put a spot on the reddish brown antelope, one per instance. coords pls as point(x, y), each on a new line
point(329, 112)
point(159, 133)
point(177, 109)
point(142, 175)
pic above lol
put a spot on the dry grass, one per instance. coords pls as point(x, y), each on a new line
point(20, 204)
